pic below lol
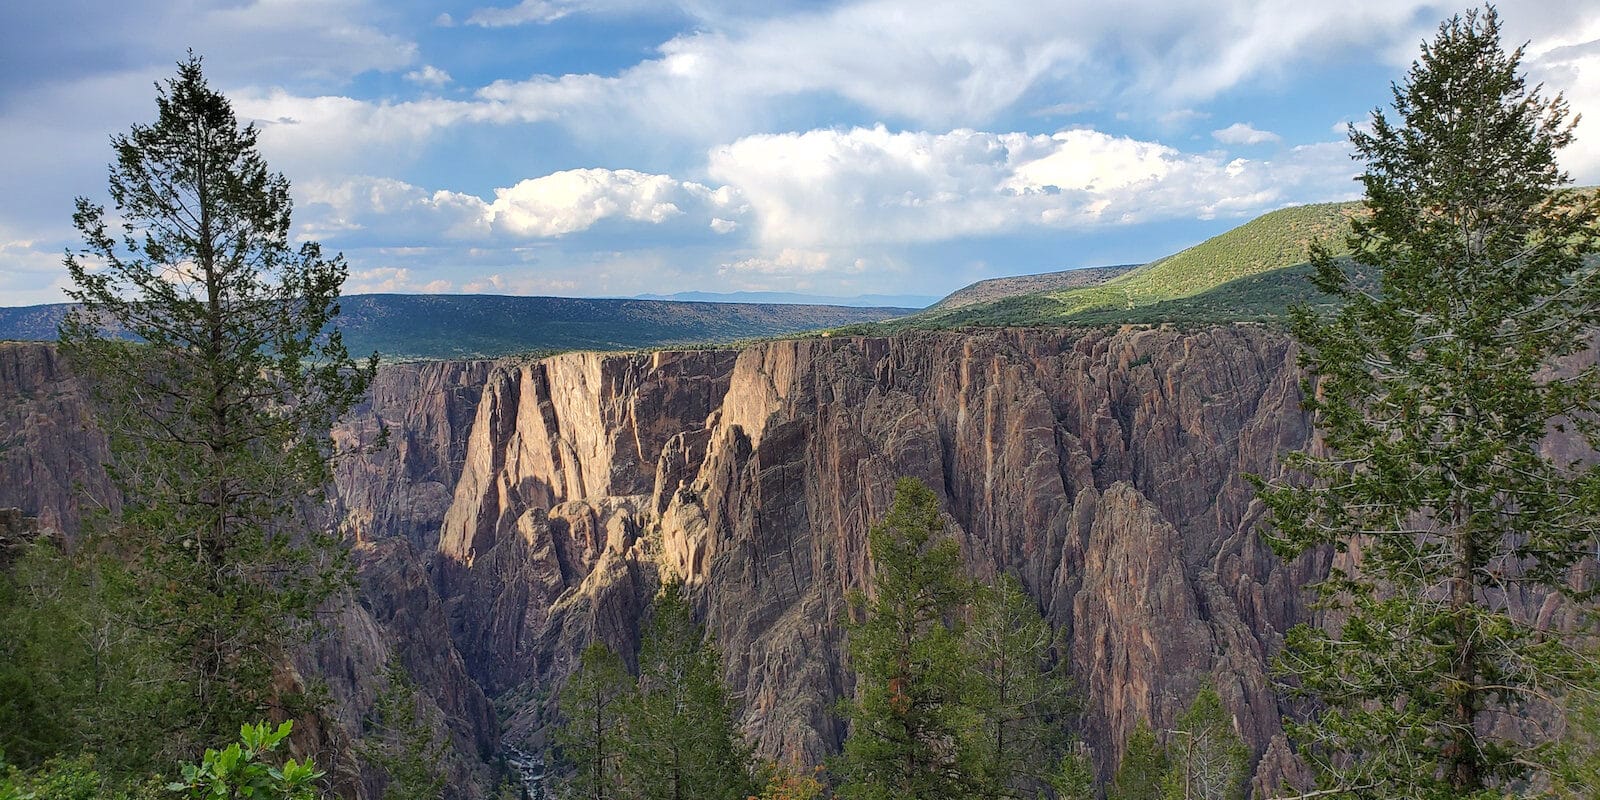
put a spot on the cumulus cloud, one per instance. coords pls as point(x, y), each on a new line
point(873, 186)
point(429, 75)
point(1570, 60)
point(384, 210)
point(939, 66)
point(1244, 133)
point(573, 200)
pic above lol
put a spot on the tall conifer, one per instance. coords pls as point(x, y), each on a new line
point(910, 723)
point(205, 337)
point(1435, 394)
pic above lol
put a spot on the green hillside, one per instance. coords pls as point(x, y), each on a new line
point(1245, 273)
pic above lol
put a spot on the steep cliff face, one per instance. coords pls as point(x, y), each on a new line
point(52, 468)
point(523, 509)
point(541, 548)
point(51, 453)
point(1102, 468)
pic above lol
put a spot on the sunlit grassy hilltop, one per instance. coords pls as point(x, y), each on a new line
point(1253, 271)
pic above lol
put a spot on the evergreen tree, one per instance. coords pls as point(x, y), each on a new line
point(73, 677)
point(1577, 776)
point(909, 722)
point(590, 737)
point(1074, 775)
point(782, 781)
point(1434, 395)
point(217, 392)
point(1017, 689)
point(681, 742)
point(1208, 759)
point(400, 741)
point(1143, 767)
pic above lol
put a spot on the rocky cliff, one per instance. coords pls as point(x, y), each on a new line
point(522, 509)
point(52, 470)
point(1102, 468)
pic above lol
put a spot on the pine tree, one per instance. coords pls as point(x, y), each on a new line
point(1073, 778)
point(909, 722)
point(681, 741)
point(1144, 766)
point(74, 677)
point(1017, 690)
point(1434, 395)
point(217, 390)
point(1208, 760)
point(590, 737)
point(1577, 756)
point(400, 741)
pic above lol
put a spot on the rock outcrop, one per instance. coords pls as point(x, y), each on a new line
point(52, 469)
point(1104, 469)
point(51, 453)
point(523, 509)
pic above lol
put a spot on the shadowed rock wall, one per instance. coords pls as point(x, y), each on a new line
point(1101, 468)
point(522, 509)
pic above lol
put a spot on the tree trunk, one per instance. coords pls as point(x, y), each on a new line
point(1464, 755)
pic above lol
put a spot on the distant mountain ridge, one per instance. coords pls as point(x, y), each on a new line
point(404, 326)
point(988, 291)
point(906, 301)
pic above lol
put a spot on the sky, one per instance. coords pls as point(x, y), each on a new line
point(620, 147)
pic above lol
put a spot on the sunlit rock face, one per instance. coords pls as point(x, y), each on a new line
point(524, 508)
point(1102, 468)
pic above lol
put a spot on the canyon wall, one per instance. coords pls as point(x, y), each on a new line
point(52, 470)
point(522, 509)
point(1104, 469)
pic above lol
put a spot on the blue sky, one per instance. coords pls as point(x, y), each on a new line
point(618, 147)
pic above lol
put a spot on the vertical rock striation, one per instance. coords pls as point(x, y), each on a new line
point(1103, 468)
point(523, 509)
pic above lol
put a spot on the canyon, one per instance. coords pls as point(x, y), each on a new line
point(522, 508)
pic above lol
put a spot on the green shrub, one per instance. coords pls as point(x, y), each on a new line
point(240, 772)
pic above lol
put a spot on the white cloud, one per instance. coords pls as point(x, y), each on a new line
point(787, 261)
point(721, 225)
point(31, 272)
point(1244, 133)
point(935, 64)
point(327, 39)
point(945, 63)
point(1182, 116)
point(391, 279)
point(528, 11)
point(383, 210)
point(573, 200)
point(522, 284)
point(334, 134)
point(939, 63)
point(429, 75)
point(1571, 63)
point(872, 186)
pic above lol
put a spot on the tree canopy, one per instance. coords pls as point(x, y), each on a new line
point(1435, 395)
point(206, 339)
